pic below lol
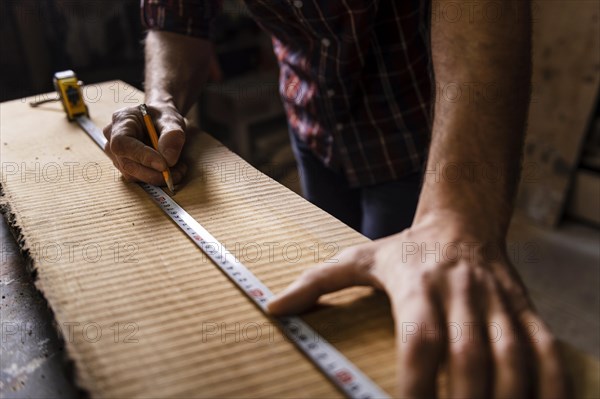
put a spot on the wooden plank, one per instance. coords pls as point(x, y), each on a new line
point(109, 261)
point(566, 76)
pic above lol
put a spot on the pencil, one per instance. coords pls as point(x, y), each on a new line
point(154, 138)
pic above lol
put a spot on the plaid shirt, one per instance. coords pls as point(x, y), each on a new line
point(354, 75)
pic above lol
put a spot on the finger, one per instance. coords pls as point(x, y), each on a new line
point(128, 122)
point(510, 374)
point(551, 376)
point(150, 175)
point(126, 133)
point(178, 172)
point(467, 353)
point(172, 137)
point(419, 345)
point(107, 131)
point(352, 269)
point(134, 171)
point(125, 147)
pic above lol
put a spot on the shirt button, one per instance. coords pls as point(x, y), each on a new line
point(298, 4)
point(325, 41)
point(339, 126)
point(330, 93)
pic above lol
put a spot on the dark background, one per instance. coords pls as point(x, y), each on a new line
point(102, 40)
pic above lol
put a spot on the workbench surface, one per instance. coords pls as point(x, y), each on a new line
point(144, 311)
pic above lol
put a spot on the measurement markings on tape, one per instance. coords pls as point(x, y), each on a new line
point(337, 368)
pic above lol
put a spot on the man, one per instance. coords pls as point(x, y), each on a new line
point(361, 126)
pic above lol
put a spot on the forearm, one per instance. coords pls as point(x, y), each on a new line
point(176, 68)
point(477, 137)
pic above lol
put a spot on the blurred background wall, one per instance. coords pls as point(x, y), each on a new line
point(98, 39)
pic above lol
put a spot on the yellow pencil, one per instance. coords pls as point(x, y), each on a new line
point(154, 138)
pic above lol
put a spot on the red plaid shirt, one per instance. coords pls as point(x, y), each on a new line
point(354, 75)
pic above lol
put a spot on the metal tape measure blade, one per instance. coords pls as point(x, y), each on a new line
point(336, 367)
point(92, 130)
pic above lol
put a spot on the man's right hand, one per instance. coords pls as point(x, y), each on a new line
point(128, 144)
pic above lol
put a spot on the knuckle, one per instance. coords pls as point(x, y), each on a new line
point(350, 253)
point(463, 280)
point(507, 347)
point(424, 280)
point(548, 344)
point(420, 284)
point(145, 157)
point(363, 256)
point(118, 145)
point(361, 260)
point(107, 131)
point(310, 275)
point(123, 113)
point(118, 115)
point(130, 167)
point(461, 348)
point(177, 118)
point(126, 120)
point(467, 355)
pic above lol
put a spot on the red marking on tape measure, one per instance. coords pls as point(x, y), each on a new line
point(256, 292)
point(344, 376)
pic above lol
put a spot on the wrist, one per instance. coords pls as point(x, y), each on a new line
point(456, 237)
point(159, 98)
point(458, 223)
point(470, 206)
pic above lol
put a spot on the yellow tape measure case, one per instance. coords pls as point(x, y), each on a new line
point(68, 88)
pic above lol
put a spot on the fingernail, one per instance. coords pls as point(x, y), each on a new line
point(158, 165)
point(270, 305)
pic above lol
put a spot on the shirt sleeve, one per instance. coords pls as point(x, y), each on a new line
point(187, 17)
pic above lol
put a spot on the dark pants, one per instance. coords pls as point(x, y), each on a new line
point(376, 211)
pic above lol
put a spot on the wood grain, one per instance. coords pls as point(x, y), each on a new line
point(109, 261)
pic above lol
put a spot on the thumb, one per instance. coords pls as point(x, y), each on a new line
point(171, 139)
point(352, 269)
point(170, 145)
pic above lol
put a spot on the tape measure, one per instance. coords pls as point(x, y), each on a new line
point(337, 368)
point(68, 88)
